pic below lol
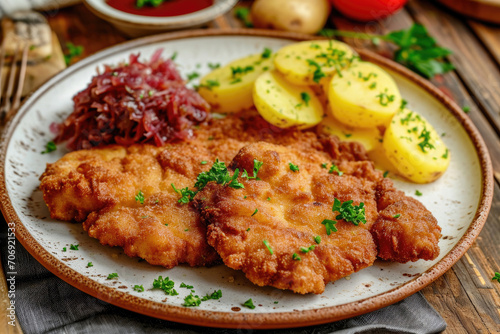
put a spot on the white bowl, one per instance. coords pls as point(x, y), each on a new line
point(139, 25)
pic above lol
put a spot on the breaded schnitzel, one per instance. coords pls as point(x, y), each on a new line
point(274, 228)
point(124, 197)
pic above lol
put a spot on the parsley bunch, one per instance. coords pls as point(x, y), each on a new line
point(417, 49)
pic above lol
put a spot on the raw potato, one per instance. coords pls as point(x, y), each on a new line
point(370, 138)
point(415, 148)
point(284, 104)
point(234, 92)
point(364, 96)
point(306, 16)
point(294, 61)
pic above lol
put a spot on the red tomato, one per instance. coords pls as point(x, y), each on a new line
point(366, 10)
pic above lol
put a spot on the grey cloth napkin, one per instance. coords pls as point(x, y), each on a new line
point(47, 304)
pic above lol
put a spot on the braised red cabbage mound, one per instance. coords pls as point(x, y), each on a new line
point(133, 103)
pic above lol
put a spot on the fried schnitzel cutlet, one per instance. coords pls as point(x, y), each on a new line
point(273, 228)
point(101, 188)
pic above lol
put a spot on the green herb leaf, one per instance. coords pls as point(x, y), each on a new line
point(249, 304)
point(348, 212)
point(139, 197)
point(418, 193)
point(317, 239)
point(213, 66)
point(112, 275)
point(305, 97)
point(335, 169)
point(184, 285)
point(496, 277)
point(215, 295)
point(49, 147)
point(329, 225)
point(296, 257)
point(192, 301)
point(266, 53)
point(90, 264)
point(166, 285)
point(73, 247)
point(293, 168)
point(396, 215)
point(73, 51)
point(138, 288)
point(266, 243)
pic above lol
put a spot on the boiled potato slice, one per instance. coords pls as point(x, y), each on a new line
point(283, 104)
point(370, 138)
point(229, 88)
point(306, 63)
point(364, 96)
point(415, 148)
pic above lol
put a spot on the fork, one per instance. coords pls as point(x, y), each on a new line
point(16, 74)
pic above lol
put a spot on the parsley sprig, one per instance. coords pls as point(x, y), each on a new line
point(219, 174)
point(496, 277)
point(417, 49)
point(348, 212)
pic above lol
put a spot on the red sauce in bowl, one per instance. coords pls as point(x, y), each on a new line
point(167, 8)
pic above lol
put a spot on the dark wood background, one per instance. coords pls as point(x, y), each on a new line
point(465, 296)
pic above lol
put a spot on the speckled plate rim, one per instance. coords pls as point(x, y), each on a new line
point(254, 320)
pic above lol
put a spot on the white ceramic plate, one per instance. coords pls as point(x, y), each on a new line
point(459, 203)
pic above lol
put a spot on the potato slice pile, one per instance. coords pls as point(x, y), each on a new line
point(299, 84)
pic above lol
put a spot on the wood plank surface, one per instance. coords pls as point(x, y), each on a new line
point(465, 296)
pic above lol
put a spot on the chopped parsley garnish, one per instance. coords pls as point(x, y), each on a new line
point(384, 99)
point(317, 239)
point(90, 264)
point(186, 194)
point(266, 243)
point(166, 285)
point(418, 193)
point(329, 225)
point(293, 168)
point(255, 212)
point(192, 301)
point(466, 109)
point(403, 104)
point(335, 169)
point(139, 197)
point(268, 199)
point(235, 81)
point(373, 85)
point(295, 257)
point(496, 277)
point(445, 155)
point(425, 143)
point(318, 73)
point(173, 56)
point(256, 167)
point(241, 70)
point(407, 119)
point(144, 217)
point(184, 285)
point(215, 295)
point(307, 249)
point(248, 229)
point(50, 147)
point(209, 84)
point(386, 173)
point(112, 275)
point(213, 66)
point(73, 247)
point(192, 76)
point(64, 249)
point(348, 212)
point(185, 230)
point(249, 304)
point(396, 215)
point(305, 97)
point(139, 288)
point(243, 14)
point(324, 165)
point(203, 162)
point(266, 53)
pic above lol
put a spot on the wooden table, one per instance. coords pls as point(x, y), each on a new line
point(465, 296)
